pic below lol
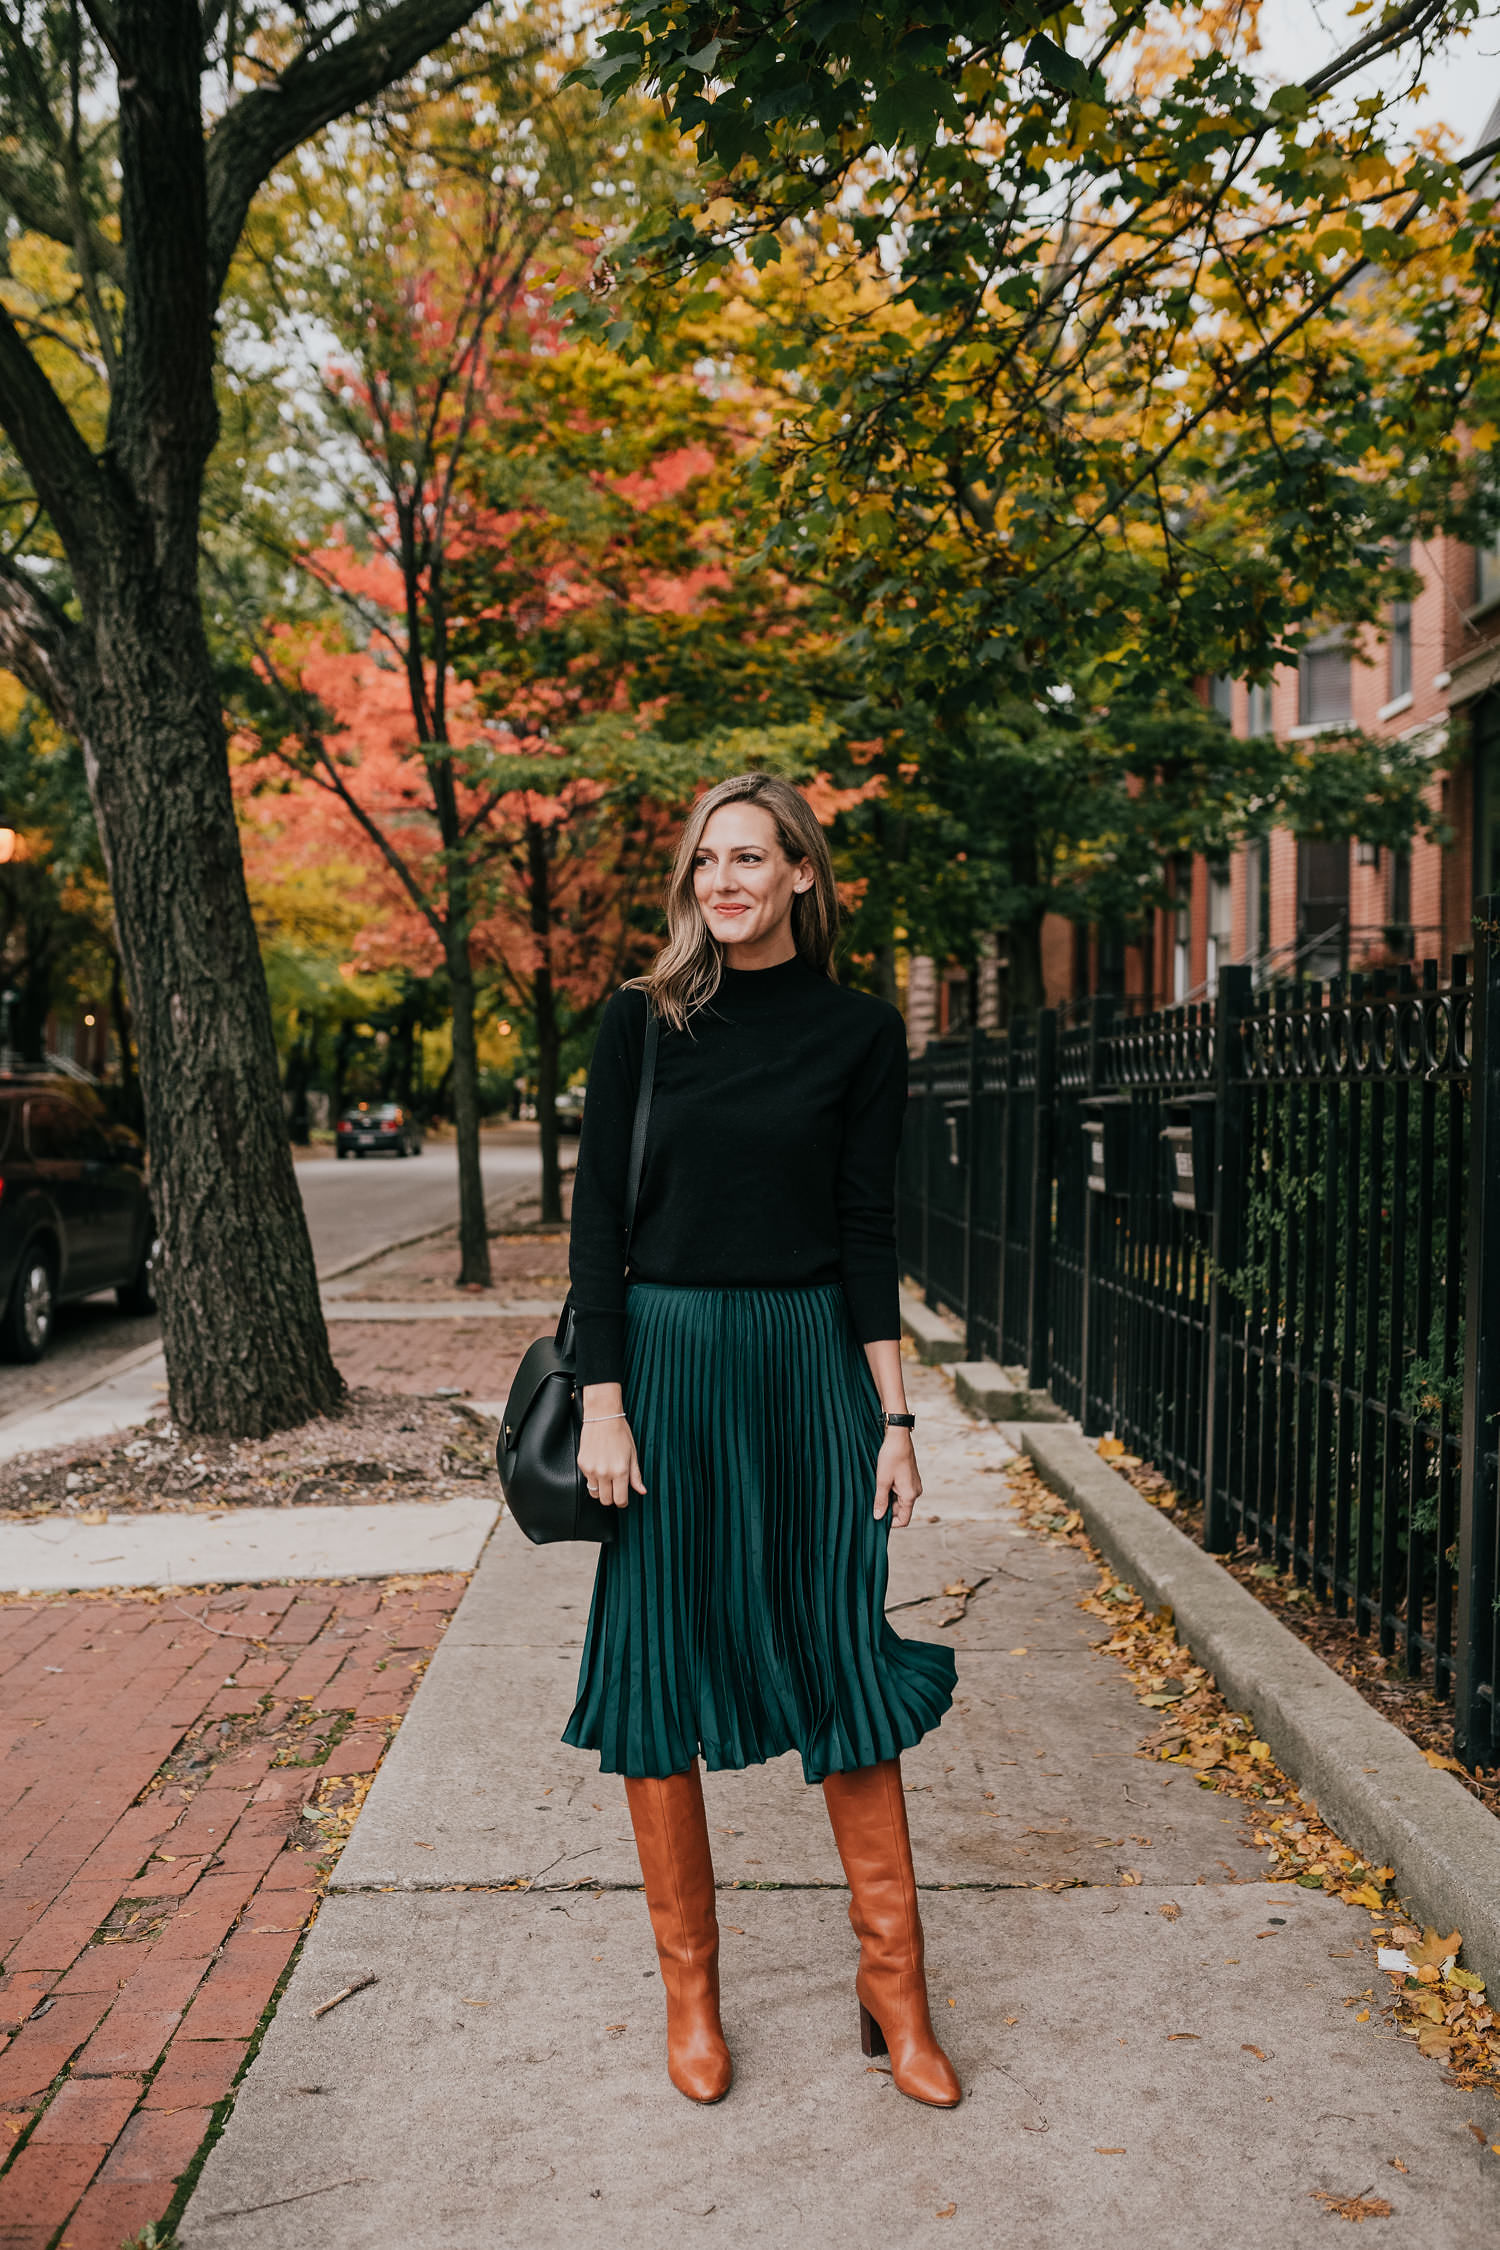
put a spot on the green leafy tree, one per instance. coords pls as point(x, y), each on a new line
point(135, 136)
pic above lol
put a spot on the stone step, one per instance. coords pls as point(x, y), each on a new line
point(1003, 1394)
point(937, 1336)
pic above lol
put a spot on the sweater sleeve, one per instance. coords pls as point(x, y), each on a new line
point(875, 1110)
point(596, 1254)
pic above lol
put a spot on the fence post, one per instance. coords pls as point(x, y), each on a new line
point(971, 1184)
point(1474, 1713)
point(1101, 1022)
point(1228, 1228)
point(1039, 1263)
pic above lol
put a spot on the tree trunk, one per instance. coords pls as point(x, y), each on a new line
point(1023, 945)
point(548, 1051)
point(299, 1068)
point(473, 1232)
point(246, 1347)
point(544, 1010)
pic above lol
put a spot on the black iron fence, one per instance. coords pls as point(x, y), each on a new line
point(1258, 1240)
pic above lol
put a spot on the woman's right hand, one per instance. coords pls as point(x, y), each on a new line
point(606, 1450)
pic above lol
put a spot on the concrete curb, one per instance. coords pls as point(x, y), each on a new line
point(938, 1339)
point(1001, 1394)
point(1369, 1780)
point(108, 1373)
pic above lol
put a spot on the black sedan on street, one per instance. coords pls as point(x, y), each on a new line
point(75, 1211)
point(372, 1127)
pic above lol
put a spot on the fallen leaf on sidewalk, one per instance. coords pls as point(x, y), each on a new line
point(1355, 2207)
point(1441, 2007)
point(1170, 1911)
point(1247, 2049)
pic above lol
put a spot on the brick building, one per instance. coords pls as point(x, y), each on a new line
point(1429, 672)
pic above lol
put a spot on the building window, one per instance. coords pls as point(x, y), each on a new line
point(1220, 935)
point(1487, 576)
point(1182, 929)
point(1399, 934)
point(1258, 899)
point(1258, 718)
point(1221, 697)
point(1399, 643)
point(1324, 682)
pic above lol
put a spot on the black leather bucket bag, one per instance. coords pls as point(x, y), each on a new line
point(537, 1450)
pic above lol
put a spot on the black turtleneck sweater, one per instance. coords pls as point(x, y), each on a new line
point(770, 1155)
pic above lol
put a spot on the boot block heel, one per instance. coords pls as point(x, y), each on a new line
point(871, 2037)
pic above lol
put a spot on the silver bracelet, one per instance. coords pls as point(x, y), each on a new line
point(588, 1418)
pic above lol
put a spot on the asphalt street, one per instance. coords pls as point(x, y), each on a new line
point(354, 1209)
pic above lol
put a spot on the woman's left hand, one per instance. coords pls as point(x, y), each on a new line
point(897, 1484)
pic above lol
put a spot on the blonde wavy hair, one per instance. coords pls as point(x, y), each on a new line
point(685, 975)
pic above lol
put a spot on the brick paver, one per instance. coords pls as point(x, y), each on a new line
point(422, 1356)
point(158, 1862)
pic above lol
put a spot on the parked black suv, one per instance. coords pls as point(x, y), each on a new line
point(75, 1212)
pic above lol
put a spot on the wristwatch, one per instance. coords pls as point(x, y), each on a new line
point(901, 1421)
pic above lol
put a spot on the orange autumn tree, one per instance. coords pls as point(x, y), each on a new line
point(539, 647)
point(556, 860)
point(402, 266)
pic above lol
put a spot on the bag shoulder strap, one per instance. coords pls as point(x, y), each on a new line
point(642, 1118)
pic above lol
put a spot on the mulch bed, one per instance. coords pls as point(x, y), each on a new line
point(378, 1447)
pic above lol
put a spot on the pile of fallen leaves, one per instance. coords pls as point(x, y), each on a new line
point(1407, 1703)
point(379, 1446)
point(1433, 2000)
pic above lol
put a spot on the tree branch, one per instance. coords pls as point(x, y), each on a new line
point(1394, 32)
point(64, 474)
point(37, 210)
point(37, 644)
point(253, 137)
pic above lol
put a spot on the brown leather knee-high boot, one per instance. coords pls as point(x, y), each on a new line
point(671, 1835)
point(868, 1813)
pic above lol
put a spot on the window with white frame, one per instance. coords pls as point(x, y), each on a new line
point(1220, 934)
point(1487, 575)
point(1398, 641)
point(1258, 715)
point(1182, 929)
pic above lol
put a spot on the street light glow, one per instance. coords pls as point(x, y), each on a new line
point(7, 845)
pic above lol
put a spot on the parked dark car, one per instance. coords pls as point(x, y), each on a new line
point(75, 1211)
point(569, 1109)
point(372, 1127)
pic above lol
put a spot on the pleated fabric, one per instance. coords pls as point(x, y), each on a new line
point(739, 1611)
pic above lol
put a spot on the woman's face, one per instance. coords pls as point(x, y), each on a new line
point(742, 879)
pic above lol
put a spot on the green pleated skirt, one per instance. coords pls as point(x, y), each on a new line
point(739, 1611)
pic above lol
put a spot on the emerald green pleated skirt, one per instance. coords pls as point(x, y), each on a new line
point(739, 1611)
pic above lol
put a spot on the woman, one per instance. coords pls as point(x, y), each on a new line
point(757, 1461)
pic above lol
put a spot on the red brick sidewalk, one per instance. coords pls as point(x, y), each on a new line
point(177, 1776)
point(478, 1357)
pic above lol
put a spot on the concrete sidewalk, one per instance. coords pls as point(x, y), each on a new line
point(245, 1546)
point(1158, 2048)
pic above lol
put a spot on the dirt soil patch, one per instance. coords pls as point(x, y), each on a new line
point(378, 1447)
